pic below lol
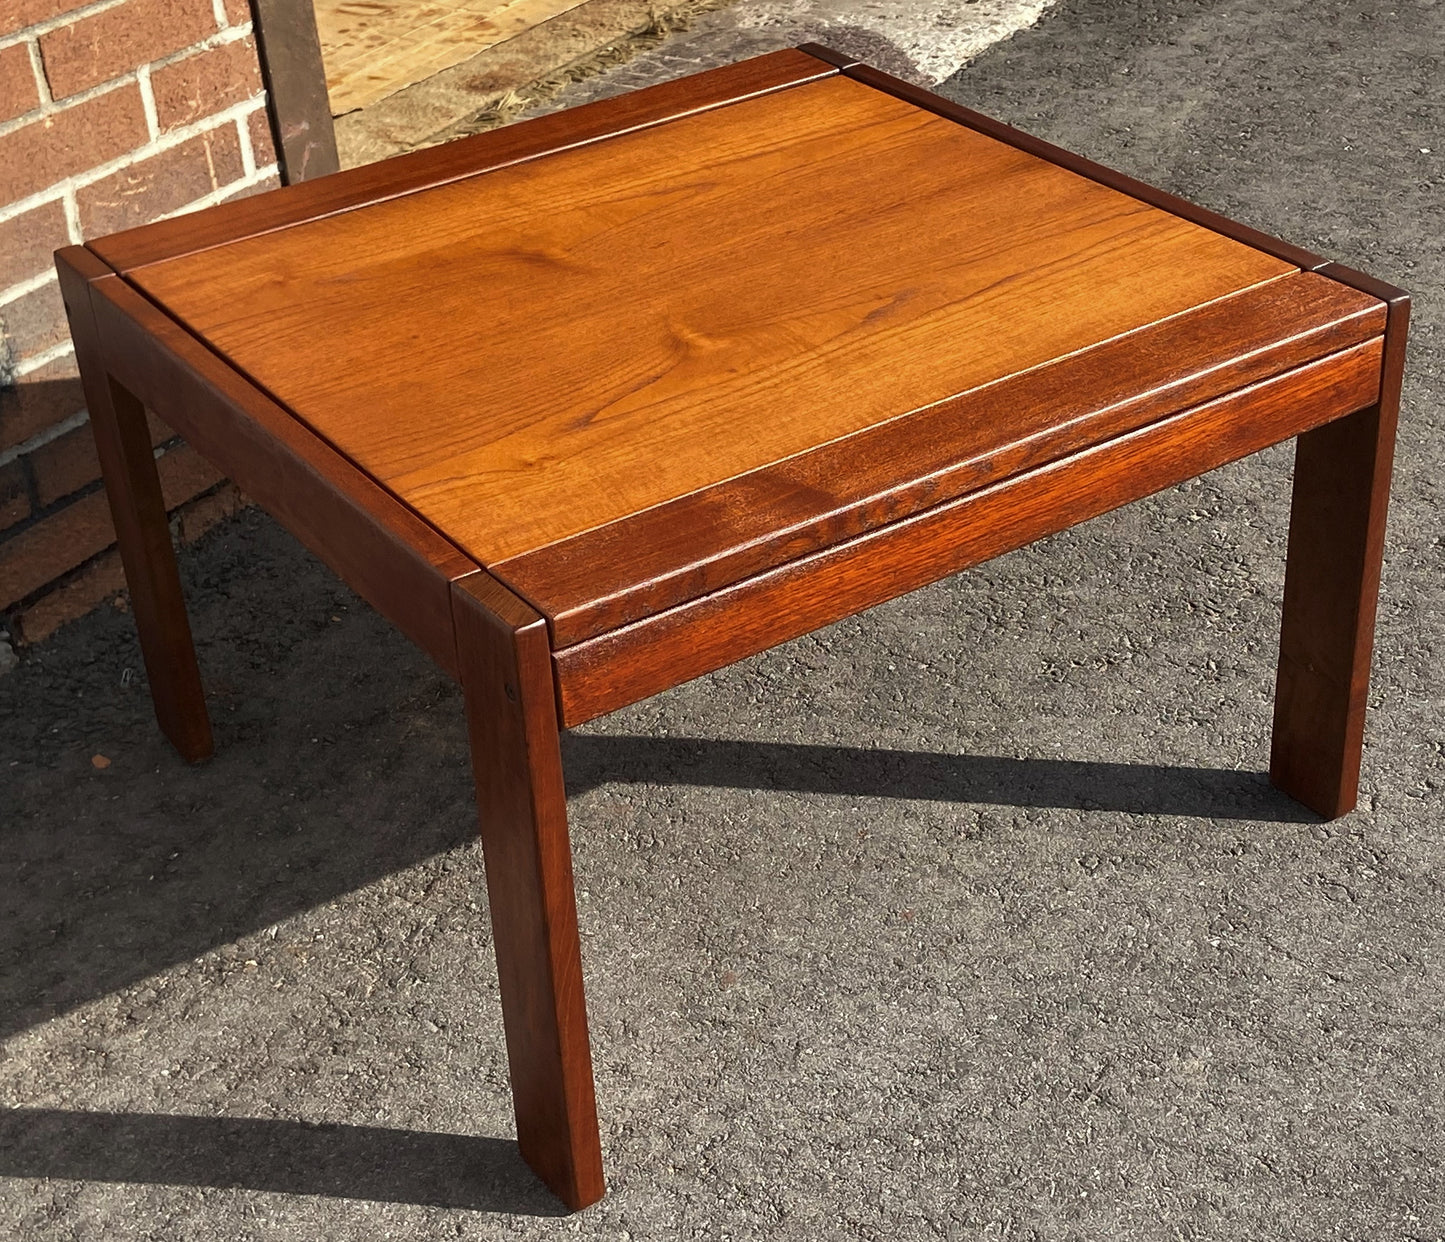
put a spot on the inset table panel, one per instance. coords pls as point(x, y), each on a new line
point(545, 348)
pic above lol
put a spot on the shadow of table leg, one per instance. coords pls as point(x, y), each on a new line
point(287, 1157)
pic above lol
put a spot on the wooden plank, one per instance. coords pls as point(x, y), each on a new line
point(453, 161)
point(374, 49)
point(1182, 207)
point(648, 316)
point(650, 655)
point(614, 574)
point(377, 546)
point(1332, 582)
point(133, 488)
point(506, 676)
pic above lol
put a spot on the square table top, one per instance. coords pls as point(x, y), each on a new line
point(556, 357)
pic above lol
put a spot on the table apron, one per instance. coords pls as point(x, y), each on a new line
point(635, 661)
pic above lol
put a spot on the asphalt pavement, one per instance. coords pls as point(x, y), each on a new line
point(970, 917)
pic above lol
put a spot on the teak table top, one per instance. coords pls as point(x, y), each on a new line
point(533, 352)
point(535, 356)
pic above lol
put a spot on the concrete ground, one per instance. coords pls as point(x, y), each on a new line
point(922, 40)
point(972, 917)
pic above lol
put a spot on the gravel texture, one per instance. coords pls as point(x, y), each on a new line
point(971, 917)
point(923, 40)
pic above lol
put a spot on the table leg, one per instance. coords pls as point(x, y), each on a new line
point(506, 672)
point(127, 464)
point(1332, 579)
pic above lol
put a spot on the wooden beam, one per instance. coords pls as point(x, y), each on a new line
point(296, 100)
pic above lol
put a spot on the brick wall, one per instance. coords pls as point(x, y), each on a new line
point(112, 114)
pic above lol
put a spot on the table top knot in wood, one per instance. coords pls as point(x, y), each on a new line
point(602, 401)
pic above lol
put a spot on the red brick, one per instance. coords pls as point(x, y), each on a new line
point(262, 144)
point(64, 465)
point(53, 547)
point(46, 396)
point(193, 520)
point(33, 322)
point(259, 187)
point(68, 463)
point(28, 242)
point(205, 83)
point(102, 579)
point(238, 12)
point(116, 41)
point(73, 535)
point(14, 495)
point(184, 474)
point(72, 140)
point(161, 184)
point(18, 14)
point(18, 92)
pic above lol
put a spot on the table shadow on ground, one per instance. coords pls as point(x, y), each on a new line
point(592, 760)
point(287, 1157)
point(84, 922)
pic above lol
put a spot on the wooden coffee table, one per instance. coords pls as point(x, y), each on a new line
point(597, 403)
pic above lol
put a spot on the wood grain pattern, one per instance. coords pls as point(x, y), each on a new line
point(701, 542)
point(453, 161)
point(666, 364)
point(506, 676)
point(1298, 256)
point(639, 660)
point(1332, 582)
point(375, 48)
point(123, 444)
point(390, 557)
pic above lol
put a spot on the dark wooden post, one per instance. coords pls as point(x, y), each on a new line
point(506, 671)
point(123, 443)
point(1332, 580)
point(296, 100)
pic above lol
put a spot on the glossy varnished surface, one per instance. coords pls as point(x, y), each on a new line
point(436, 166)
point(661, 650)
point(703, 541)
point(605, 329)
